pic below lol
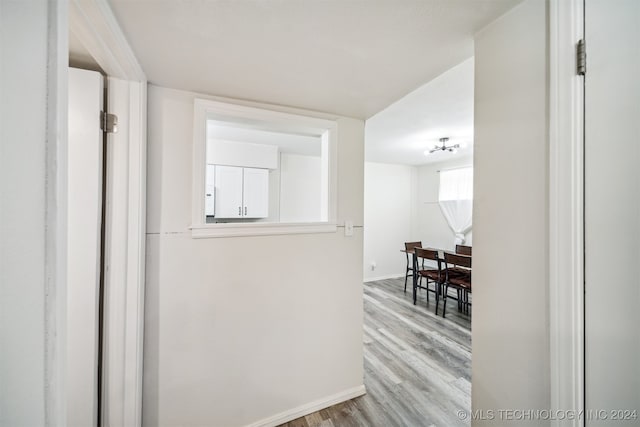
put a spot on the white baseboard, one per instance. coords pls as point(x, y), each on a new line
point(309, 408)
point(389, 276)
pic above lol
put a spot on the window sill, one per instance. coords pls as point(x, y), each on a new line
point(259, 229)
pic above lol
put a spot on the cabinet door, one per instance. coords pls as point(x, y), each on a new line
point(209, 201)
point(228, 194)
point(256, 193)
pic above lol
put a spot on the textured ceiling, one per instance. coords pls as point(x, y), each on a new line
point(347, 57)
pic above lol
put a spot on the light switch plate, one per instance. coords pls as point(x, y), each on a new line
point(348, 228)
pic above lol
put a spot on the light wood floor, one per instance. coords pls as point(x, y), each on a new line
point(417, 366)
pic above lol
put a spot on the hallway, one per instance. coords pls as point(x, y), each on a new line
point(417, 365)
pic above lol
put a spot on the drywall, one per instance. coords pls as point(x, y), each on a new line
point(243, 329)
point(389, 218)
point(300, 188)
point(510, 367)
point(23, 144)
point(432, 228)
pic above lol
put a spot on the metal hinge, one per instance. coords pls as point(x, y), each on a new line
point(108, 122)
point(581, 58)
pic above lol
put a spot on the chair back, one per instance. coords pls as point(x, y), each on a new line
point(412, 245)
point(463, 250)
point(457, 260)
point(427, 254)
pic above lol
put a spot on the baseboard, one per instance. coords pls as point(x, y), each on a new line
point(301, 411)
point(389, 276)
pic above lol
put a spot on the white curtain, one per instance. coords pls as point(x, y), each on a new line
point(456, 200)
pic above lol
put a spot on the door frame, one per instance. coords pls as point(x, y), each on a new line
point(93, 22)
point(566, 211)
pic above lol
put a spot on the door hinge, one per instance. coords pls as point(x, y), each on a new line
point(108, 122)
point(581, 58)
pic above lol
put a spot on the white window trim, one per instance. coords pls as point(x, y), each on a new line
point(283, 121)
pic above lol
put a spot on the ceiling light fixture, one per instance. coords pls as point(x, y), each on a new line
point(443, 147)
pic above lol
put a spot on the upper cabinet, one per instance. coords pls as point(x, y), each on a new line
point(242, 154)
point(241, 192)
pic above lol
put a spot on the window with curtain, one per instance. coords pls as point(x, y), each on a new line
point(456, 200)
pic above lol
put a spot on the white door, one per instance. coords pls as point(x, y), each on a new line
point(83, 244)
point(256, 193)
point(228, 192)
point(612, 212)
point(210, 188)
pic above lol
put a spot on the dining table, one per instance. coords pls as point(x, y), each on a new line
point(415, 275)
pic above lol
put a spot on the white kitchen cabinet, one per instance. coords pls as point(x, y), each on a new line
point(209, 197)
point(241, 192)
point(228, 192)
point(255, 191)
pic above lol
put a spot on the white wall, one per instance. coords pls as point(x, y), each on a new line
point(431, 225)
point(389, 218)
point(241, 329)
point(511, 322)
point(300, 186)
point(24, 277)
point(274, 195)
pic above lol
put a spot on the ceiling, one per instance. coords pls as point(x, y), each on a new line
point(441, 108)
point(346, 57)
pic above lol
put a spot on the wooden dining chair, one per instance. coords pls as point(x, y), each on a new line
point(409, 246)
point(463, 250)
point(457, 276)
point(431, 275)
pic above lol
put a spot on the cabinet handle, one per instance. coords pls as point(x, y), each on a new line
point(245, 211)
point(239, 210)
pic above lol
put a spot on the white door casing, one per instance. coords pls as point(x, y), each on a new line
point(566, 291)
point(93, 22)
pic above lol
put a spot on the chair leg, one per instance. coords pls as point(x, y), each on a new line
point(444, 299)
point(406, 277)
point(466, 299)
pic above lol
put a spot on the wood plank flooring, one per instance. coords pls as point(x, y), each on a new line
point(417, 366)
